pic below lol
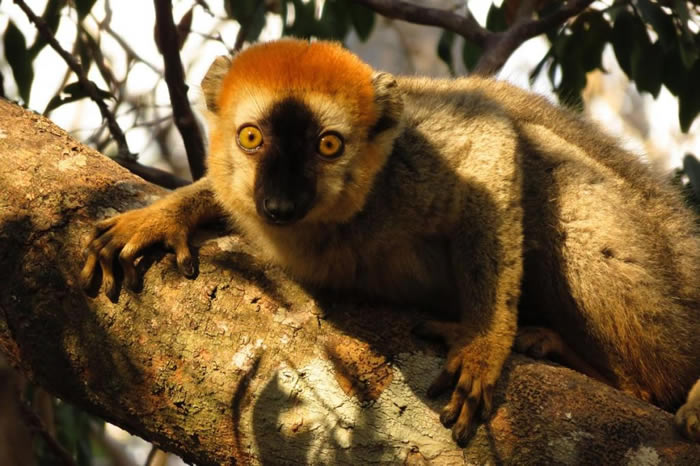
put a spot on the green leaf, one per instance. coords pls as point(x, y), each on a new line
point(647, 68)
point(19, 59)
point(444, 49)
point(681, 8)
point(52, 16)
point(662, 23)
point(362, 19)
point(83, 7)
point(85, 46)
point(496, 19)
point(689, 100)
point(254, 23)
point(250, 14)
point(73, 91)
point(686, 42)
point(241, 10)
point(304, 24)
point(688, 51)
point(546, 60)
point(184, 27)
point(471, 54)
point(691, 167)
point(573, 80)
point(674, 74)
point(628, 34)
point(593, 33)
point(334, 22)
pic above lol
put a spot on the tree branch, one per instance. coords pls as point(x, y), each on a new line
point(152, 174)
point(500, 46)
point(37, 425)
point(167, 41)
point(497, 47)
point(89, 87)
point(242, 365)
point(466, 26)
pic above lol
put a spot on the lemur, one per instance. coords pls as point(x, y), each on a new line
point(468, 194)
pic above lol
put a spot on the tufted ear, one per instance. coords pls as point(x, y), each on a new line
point(388, 100)
point(212, 81)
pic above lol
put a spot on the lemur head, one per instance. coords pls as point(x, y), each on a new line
point(299, 130)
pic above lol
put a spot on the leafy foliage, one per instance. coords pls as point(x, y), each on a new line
point(654, 45)
point(19, 59)
point(73, 92)
point(304, 19)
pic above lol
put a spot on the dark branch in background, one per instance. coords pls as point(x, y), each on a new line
point(466, 26)
point(37, 425)
point(2, 86)
point(89, 87)
point(152, 174)
point(99, 58)
point(167, 41)
point(503, 44)
point(497, 46)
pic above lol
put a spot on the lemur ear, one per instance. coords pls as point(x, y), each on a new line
point(388, 100)
point(212, 81)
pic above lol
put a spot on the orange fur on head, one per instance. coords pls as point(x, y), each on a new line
point(294, 66)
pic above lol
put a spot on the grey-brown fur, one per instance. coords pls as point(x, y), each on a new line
point(489, 202)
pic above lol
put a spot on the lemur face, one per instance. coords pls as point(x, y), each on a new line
point(294, 133)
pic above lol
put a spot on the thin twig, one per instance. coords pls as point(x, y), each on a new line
point(99, 58)
point(104, 26)
point(245, 27)
point(175, 79)
point(89, 87)
point(534, 27)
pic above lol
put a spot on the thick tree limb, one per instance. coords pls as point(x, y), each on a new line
point(167, 41)
point(242, 365)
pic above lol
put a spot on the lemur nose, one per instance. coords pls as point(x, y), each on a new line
point(279, 210)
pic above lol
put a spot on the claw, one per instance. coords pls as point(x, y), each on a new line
point(474, 363)
point(125, 236)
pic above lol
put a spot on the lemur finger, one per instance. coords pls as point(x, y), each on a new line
point(106, 257)
point(88, 271)
point(461, 432)
point(106, 224)
point(487, 400)
point(183, 255)
point(95, 245)
point(127, 257)
point(460, 393)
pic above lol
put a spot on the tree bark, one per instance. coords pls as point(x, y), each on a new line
point(242, 365)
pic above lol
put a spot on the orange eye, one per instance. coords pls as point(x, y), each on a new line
point(330, 145)
point(249, 138)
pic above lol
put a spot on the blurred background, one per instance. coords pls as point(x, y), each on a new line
point(631, 65)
